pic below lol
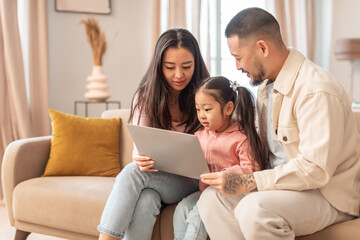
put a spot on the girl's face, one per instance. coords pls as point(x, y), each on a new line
point(178, 67)
point(210, 114)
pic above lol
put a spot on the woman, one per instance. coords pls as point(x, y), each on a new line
point(164, 99)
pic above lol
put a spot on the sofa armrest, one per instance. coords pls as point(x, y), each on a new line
point(23, 159)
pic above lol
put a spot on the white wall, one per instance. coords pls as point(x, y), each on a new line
point(345, 24)
point(128, 32)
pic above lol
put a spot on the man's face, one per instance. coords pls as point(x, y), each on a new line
point(246, 59)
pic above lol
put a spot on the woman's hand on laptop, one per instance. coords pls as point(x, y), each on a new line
point(145, 163)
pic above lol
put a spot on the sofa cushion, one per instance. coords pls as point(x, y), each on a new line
point(83, 146)
point(67, 203)
point(349, 230)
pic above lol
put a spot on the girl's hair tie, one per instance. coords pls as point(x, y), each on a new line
point(234, 85)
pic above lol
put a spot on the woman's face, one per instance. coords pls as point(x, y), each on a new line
point(178, 67)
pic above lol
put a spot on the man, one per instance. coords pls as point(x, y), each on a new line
point(305, 118)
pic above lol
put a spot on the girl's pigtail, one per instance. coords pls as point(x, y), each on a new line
point(245, 116)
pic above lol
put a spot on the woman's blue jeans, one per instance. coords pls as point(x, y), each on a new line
point(135, 200)
point(187, 221)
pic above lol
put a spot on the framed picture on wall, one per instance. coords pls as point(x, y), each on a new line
point(83, 6)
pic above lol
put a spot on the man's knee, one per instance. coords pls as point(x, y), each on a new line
point(208, 195)
point(258, 219)
point(206, 200)
point(248, 208)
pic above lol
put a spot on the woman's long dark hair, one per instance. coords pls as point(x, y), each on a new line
point(244, 109)
point(152, 95)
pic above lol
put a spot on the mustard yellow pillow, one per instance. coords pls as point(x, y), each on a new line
point(83, 146)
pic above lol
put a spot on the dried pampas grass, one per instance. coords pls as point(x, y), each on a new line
point(96, 39)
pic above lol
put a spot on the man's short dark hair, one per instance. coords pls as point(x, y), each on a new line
point(254, 22)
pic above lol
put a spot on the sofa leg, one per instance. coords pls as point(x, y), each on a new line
point(21, 235)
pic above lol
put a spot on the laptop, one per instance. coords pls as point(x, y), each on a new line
point(173, 152)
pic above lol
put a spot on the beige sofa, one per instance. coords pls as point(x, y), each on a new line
point(71, 207)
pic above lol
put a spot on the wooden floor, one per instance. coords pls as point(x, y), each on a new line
point(7, 232)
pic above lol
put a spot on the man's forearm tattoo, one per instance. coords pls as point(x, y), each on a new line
point(233, 182)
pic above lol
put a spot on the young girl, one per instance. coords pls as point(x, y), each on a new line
point(164, 99)
point(230, 143)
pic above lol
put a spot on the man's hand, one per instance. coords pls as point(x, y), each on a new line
point(230, 182)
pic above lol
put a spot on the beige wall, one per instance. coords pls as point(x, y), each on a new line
point(345, 24)
point(128, 32)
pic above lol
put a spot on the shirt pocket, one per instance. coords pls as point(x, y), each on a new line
point(288, 137)
point(288, 134)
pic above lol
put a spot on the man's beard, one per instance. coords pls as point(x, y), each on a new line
point(260, 76)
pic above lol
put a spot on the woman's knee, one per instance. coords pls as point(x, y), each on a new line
point(130, 173)
point(146, 210)
point(129, 169)
point(149, 200)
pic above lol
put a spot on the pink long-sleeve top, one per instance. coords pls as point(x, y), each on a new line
point(143, 120)
point(228, 150)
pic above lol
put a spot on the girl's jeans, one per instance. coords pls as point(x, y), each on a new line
point(187, 221)
point(135, 200)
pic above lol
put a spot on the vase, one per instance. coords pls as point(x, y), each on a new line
point(97, 87)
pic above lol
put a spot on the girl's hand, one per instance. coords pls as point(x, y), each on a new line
point(145, 163)
point(230, 182)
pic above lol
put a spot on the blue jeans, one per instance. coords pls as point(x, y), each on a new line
point(187, 221)
point(135, 200)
